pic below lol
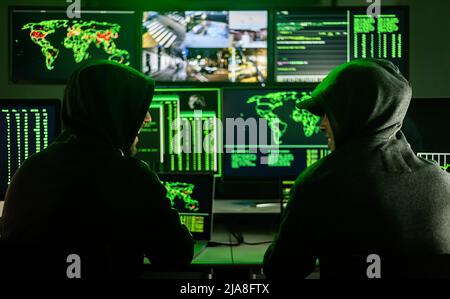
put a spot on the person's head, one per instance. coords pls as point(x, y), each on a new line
point(105, 105)
point(133, 149)
point(325, 127)
point(358, 99)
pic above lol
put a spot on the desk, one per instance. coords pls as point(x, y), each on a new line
point(241, 262)
point(236, 255)
point(227, 256)
point(253, 230)
point(245, 206)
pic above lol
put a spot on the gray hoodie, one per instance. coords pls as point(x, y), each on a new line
point(372, 195)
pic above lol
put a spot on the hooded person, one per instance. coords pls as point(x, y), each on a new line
point(86, 188)
point(371, 194)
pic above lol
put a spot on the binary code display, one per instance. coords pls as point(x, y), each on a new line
point(383, 37)
point(174, 115)
point(24, 131)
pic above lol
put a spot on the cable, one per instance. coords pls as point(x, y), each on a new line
point(230, 243)
point(240, 237)
point(257, 243)
point(239, 240)
point(215, 244)
point(231, 249)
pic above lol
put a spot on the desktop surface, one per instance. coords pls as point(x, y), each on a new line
point(245, 206)
point(227, 255)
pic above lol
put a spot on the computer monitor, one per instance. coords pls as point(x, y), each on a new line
point(309, 43)
point(192, 195)
point(184, 135)
point(426, 127)
point(286, 185)
point(205, 46)
point(26, 127)
point(265, 136)
point(46, 46)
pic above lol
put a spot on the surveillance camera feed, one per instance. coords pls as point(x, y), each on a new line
point(205, 46)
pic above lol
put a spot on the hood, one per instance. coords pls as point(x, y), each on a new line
point(105, 104)
point(362, 98)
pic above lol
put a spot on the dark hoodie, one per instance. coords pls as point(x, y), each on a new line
point(372, 195)
point(85, 190)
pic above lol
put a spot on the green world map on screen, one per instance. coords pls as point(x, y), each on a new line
point(79, 37)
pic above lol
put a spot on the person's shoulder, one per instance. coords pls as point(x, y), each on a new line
point(140, 168)
point(316, 170)
point(137, 165)
point(38, 159)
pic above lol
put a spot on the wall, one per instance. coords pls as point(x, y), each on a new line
point(429, 54)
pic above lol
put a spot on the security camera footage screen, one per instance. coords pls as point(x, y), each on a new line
point(205, 46)
point(47, 46)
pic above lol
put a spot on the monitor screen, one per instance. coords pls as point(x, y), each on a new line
point(205, 46)
point(426, 127)
point(26, 127)
point(192, 196)
point(47, 47)
point(266, 136)
point(310, 43)
point(286, 186)
point(184, 135)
